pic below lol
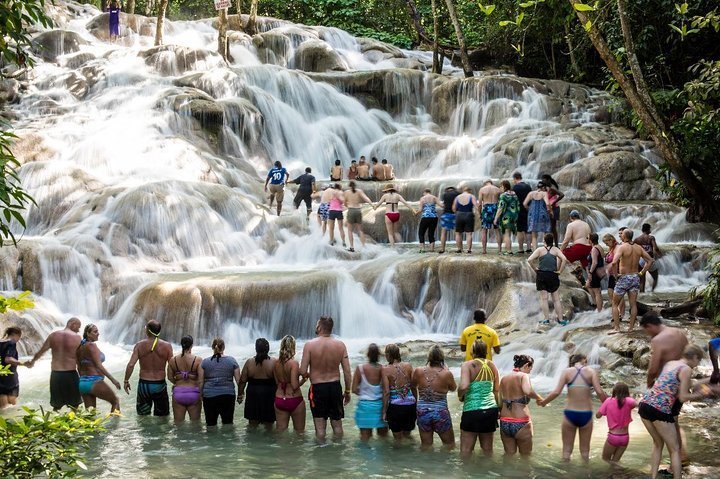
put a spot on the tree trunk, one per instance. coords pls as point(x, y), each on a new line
point(437, 65)
point(162, 8)
point(467, 69)
point(222, 33)
point(103, 5)
point(571, 51)
point(251, 28)
point(149, 7)
point(420, 30)
point(704, 206)
point(131, 6)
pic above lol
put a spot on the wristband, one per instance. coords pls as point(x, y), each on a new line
point(347, 392)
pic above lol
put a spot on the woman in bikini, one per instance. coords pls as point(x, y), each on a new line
point(578, 414)
point(289, 402)
point(392, 199)
point(182, 371)
point(433, 382)
point(399, 394)
point(92, 372)
point(516, 391)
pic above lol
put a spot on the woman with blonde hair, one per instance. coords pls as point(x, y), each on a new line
point(92, 372)
point(289, 402)
point(216, 375)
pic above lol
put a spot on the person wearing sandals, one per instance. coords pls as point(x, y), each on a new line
point(479, 393)
point(399, 394)
point(92, 372)
point(548, 276)
point(367, 384)
point(182, 371)
point(516, 431)
point(507, 216)
point(464, 207)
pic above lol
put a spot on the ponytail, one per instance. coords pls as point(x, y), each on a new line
point(218, 346)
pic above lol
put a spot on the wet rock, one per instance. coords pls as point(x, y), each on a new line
point(9, 90)
point(409, 63)
point(129, 23)
point(272, 48)
point(627, 345)
point(370, 44)
point(50, 45)
point(174, 59)
point(31, 279)
point(317, 56)
point(31, 146)
point(76, 60)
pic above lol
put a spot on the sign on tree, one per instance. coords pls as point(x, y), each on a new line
point(222, 4)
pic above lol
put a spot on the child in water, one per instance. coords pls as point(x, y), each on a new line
point(618, 410)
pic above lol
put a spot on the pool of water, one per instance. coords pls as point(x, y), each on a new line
point(156, 448)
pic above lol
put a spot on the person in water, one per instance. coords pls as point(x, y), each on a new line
point(64, 378)
point(305, 190)
point(182, 372)
point(10, 384)
point(554, 196)
point(447, 220)
point(577, 233)
point(354, 197)
point(367, 385)
point(363, 170)
point(488, 198)
point(92, 372)
point(628, 281)
point(114, 20)
point(516, 391)
point(618, 410)
point(289, 402)
point(522, 189)
point(216, 376)
point(388, 170)
point(392, 199)
point(596, 272)
point(378, 173)
point(353, 170)
point(336, 172)
point(323, 211)
point(507, 216)
point(153, 354)
point(433, 382)
point(612, 271)
point(479, 330)
point(399, 394)
point(538, 209)
point(277, 177)
point(258, 374)
point(428, 219)
point(580, 381)
point(464, 207)
point(551, 262)
point(321, 361)
point(335, 213)
point(649, 244)
point(479, 392)
point(661, 404)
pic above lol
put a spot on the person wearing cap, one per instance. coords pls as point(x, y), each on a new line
point(576, 245)
point(277, 177)
point(153, 354)
point(392, 199)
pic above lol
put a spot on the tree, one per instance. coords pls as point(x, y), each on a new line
point(251, 27)
point(464, 59)
point(131, 7)
point(222, 33)
point(162, 8)
point(437, 61)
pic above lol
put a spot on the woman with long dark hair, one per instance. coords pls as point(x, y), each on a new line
point(516, 431)
point(367, 384)
point(92, 372)
point(258, 374)
point(399, 394)
point(216, 375)
point(182, 371)
point(289, 402)
point(10, 384)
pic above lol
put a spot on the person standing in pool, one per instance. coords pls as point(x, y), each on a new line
point(488, 198)
point(64, 379)
point(464, 207)
point(399, 394)
point(392, 199)
point(367, 384)
point(480, 331)
point(153, 354)
point(321, 361)
point(581, 381)
point(216, 376)
point(10, 384)
point(507, 215)
point(289, 402)
point(354, 197)
point(92, 372)
point(305, 190)
point(428, 219)
point(257, 373)
point(114, 20)
point(433, 382)
point(547, 280)
point(277, 177)
point(182, 372)
point(516, 429)
point(447, 220)
point(522, 189)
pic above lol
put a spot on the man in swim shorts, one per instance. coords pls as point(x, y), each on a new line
point(277, 177)
point(577, 233)
point(153, 354)
point(447, 219)
point(321, 361)
point(64, 379)
point(488, 198)
point(388, 170)
point(305, 190)
point(522, 189)
point(363, 170)
point(628, 280)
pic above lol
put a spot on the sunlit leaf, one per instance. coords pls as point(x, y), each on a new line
point(583, 7)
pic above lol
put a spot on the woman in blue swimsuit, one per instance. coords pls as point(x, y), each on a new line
point(92, 372)
point(580, 381)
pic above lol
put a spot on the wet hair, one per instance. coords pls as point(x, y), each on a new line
point(308, 170)
point(517, 175)
point(607, 237)
point(628, 234)
point(262, 348)
point(337, 186)
point(218, 346)
point(392, 353)
point(594, 238)
point(693, 351)
point(384, 161)
point(435, 356)
point(541, 185)
point(466, 189)
point(651, 317)
point(549, 181)
point(620, 392)
point(12, 331)
point(326, 323)
point(646, 228)
point(506, 185)
point(576, 358)
point(352, 186)
point(337, 162)
point(362, 157)
point(621, 229)
point(479, 349)
point(520, 360)
point(373, 353)
point(353, 161)
point(549, 239)
point(479, 316)
point(427, 190)
point(72, 320)
point(186, 343)
point(374, 160)
point(87, 330)
point(450, 188)
point(153, 327)
point(278, 164)
point(287, 348)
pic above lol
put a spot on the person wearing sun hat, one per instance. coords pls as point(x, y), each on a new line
point(391, 198)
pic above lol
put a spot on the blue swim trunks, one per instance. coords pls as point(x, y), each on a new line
point(324, 211)
point(447, 221)
point(488, 216)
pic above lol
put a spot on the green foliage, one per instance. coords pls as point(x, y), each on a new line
point(20, 302)
point(46, 444)
point(15, 16)
point(710, 293)
point(13, 198)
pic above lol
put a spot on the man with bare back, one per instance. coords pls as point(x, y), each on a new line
point(64, 379)
point(321, 361)
point(488, 198)
point(153, 354)
point(628, 280)
point(378, 173)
